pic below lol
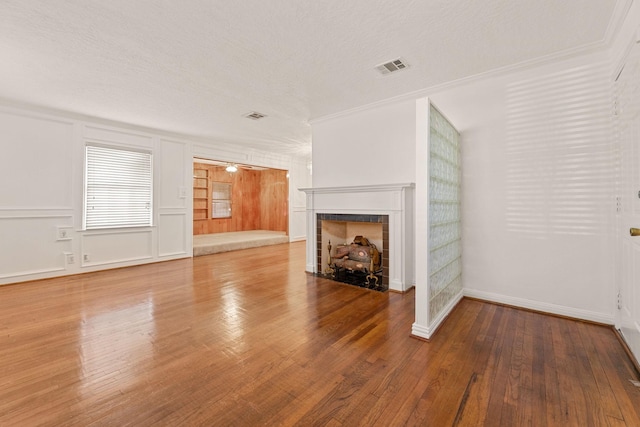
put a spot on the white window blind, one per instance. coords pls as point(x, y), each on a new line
point(118, 188)
point(221, 200)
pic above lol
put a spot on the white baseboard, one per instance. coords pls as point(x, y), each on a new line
point(420, 331)
point(544, 307)
point(297, 238)
point(427, 331)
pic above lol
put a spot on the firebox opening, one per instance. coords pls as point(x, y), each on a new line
point(354, 249)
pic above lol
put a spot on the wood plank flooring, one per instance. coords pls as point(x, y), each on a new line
point(248, 338)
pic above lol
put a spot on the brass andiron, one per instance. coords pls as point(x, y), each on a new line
point(634, 231)
point(371, 276)
point(330, 270)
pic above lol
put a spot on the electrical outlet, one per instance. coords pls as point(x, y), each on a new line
point(86, 258)
point(182, 192)
point(63, 233)
point(69, 258)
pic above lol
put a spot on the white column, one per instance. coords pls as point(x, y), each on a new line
point(311, 235)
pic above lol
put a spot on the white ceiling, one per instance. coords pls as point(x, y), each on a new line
point(195, 67)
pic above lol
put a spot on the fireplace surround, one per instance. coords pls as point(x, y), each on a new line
point(391, 205)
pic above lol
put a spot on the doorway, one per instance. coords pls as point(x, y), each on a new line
point(237, 206)
point(627, 117)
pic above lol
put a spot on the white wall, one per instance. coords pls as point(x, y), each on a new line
point(626, 58)
point(538, 179)
point(299, 177)
point(41, 176)
point(369, 147)
point(538, 182)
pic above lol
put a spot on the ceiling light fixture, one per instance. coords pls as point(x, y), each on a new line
point(232, 168)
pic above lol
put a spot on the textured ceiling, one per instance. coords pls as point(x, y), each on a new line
point(195, 67)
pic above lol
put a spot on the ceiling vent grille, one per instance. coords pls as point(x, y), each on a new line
point(255, 115)
point(392, 66)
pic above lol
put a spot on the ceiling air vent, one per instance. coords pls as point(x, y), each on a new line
point(391, 66)
point(255, 115)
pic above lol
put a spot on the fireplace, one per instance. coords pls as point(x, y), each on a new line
point(343, 229)
point(358, 209)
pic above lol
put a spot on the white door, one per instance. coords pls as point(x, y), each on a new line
point(627, 112)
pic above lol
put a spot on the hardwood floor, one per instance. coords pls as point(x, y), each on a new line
point(248, 338)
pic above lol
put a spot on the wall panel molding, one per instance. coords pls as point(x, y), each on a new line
point(30, 247)
point(116, 246)
point(111, 135)
point(13, 213)
point(173, 241)
point(51, 196)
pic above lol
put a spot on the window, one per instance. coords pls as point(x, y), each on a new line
point(221, 200)
point(118, 188)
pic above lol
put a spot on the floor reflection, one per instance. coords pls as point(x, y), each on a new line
point(114, 346)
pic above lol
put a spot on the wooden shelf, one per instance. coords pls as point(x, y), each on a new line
point(201, 194)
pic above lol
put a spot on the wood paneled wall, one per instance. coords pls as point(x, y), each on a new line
point(259, 200)
point(274, 206)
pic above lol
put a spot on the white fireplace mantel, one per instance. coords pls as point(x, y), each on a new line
point(394, 200)
point(358, 188)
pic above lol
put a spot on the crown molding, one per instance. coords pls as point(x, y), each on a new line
point(618, 16)
point(257, 145)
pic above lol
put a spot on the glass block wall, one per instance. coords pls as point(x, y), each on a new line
point(445, 250)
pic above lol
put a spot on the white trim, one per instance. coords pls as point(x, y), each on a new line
point(35, 212)
point(420, 331)
point(30, 273)
point(618, 16)
point(421, 213)
point(25, 111)
point(394, 200)
point(427, 332)
point(175, 255)
point(109, 139)
point(330, 211)
point(544, 307)
point(397, 285)
point(435, 324)
point(258, 146)
point(297, 238)
point(593, 48)
point(358, 188)
point(119, 145)
point(172, 211)
point(125, 261)
point(118, 230)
